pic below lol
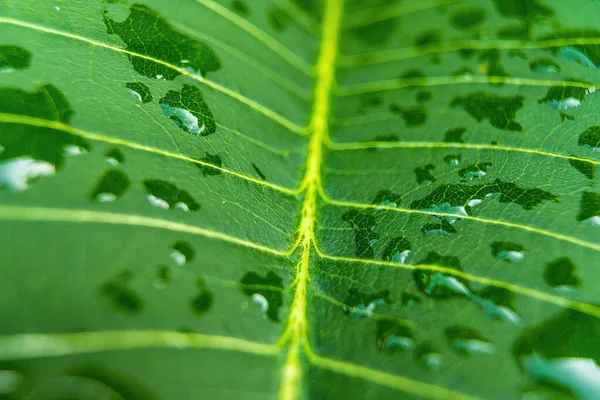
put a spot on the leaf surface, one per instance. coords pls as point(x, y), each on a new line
point(299, 199)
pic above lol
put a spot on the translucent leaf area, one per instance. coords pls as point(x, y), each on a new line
point(299, 199)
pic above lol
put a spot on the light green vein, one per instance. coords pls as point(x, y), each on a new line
point(385, 12)
point(443, 145)
point(360, 60)
point(278, 48)
point(37, 345)
point(393, 84)
point(407, 385)
point(25, 120)
point(283, 81)
point(39, 214)
point(513, 225)
point(293, 127)
point(585, 308)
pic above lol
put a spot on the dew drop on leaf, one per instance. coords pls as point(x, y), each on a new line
point(392, 336)
point(189, 111)
point(265, 291)
point(113, 184)
point(508, 251)
point(182, 253)
point(467, 341)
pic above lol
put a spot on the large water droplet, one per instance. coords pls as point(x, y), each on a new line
point(18, 173)
point(508, 251)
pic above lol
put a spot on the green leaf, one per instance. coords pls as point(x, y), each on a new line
point(299, 199)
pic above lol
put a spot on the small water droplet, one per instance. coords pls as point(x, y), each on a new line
point(545, 65)
point(57, 8)
point(112, 185)
point(452, 159)
point(262, 302)
point(18, 173)
point(115, 157)
point(74, 150)
point(508, 251)
point(165, 195)
point(266, 292)
point(182, 253)
point(392, 336)
point(467, 341)
point(156, 202)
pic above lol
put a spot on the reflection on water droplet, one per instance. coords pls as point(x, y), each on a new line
point(10, 382)
point(364, 304)
point(18, 173)
point(471, 172)
point(73, 150)
point(467, 341)
point(57, 8)
point(508, 251)
point(140, 91)
point(429, 356)
point(261, 301)
point(578, 376)
point(565, 98)
point(156, 202)
point(113, 184)
point(545, 65)
point(441, 227)
point(386, 198)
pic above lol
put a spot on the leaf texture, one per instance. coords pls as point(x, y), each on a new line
point(299, 199)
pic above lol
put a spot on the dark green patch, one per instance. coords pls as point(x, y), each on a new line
point(461, 194)
point(189, 111)
point(428, 37)
point(147, 33)
point(412, 115)
point(387, 198)
point(164, 193)
point(140, 91)
point(561, 272)
point(277, 19)
point(392, 336)
point(433, 283)
point(462, 71)
point(45, 144)
point(250, 284)
point(162, 277)
point(586, 168)
point(113, 184)
point(423, 96)
point(386, 137)
point(428, 354)
point(115, 157)
point(474, 171)
point(369, 100)
point(564, 98)
point(204, 300)
point(376, 33)
point(409, 299)
point(591, 137)
point(589, 206)
point(120, 295)
point(493, 63)
point(14, 58)
point(240, 8)
point(120, 385)
point(455, 135)
point(412, 74)
point(507, 251)
point(546, 65)
point(528, 11)
point(396, 249)
point(440, 227)
point(514, 31)
point(212, 159)
point(498, 296)
point(363, 223)
point(423, 174)
point(499, 111)
point(452, 159)
point(312, 7)
point(259, 172)
point(467, 18)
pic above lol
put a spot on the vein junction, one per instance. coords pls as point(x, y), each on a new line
point(295, 332)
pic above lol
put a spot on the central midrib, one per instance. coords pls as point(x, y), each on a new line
point(295, 331)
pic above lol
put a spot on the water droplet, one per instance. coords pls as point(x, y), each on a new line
point(397, 250)
point(565, 98)
point(19, 173)
point(508, 251)
point(441, 227)
point(189, 111)
point(362, 304)
point(392, 336)
point(111, 186)
point(165, 195)
point(144, 31)
point(13, 58)
point(266, 292)
point(386, 198)
point(182, 253)
point(545, 65)
point(57, 8)
point(429, 356)
point(140, 91)
point(203, 300)
point(120, 295)
point(471, 172)
point(73, 150)
point(561, 273)
point(423, 174)
point(467, 341)
point(115, 157)
point(572, 54)
point(452, 159)
point(162, 277)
